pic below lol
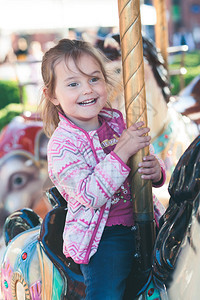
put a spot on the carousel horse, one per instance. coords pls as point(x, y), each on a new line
point(34, 266)
point(23, 168)
point(171, 132)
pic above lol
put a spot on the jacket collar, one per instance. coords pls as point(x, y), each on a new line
point(108, 114)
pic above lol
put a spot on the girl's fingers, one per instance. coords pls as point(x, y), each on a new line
point(143, 131)
point(148, 163)
point(149, 158)
point(137, 125)
point(139, 134)
point(146, 171)
point(149, 177)
point(144, 140)
point(144, 144)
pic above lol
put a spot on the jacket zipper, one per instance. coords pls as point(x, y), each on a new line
point(94, 233)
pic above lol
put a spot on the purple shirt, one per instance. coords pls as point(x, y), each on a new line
point(121, 211)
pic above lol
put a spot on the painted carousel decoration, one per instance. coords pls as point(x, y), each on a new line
point(23, 168)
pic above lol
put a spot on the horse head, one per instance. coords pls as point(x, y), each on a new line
point(23, 166)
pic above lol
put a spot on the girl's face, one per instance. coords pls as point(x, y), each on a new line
point(81, 96)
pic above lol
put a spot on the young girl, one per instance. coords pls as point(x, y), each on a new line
point(87, 161)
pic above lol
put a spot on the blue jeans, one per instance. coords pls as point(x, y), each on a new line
point(106, 273)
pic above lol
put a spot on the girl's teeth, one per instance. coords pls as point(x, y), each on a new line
point(87, 102)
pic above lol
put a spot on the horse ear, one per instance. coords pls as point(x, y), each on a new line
point(20, 221)
point(42, 146)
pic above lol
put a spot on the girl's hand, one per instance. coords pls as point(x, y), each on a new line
point(150, 168)
point(132, 140)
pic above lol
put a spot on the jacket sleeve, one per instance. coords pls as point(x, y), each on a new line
point(75, 179)
point(162, 165)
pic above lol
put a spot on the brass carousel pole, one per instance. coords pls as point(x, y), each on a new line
point(136, 110)
point(161, 29)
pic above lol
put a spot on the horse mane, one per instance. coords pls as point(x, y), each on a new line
point(152, 55)
point(156, 61)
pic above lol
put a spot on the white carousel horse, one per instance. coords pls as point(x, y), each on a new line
point(171, 131)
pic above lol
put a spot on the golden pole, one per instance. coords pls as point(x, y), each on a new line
point(136, 110)
point(134, 91)
point(161, 29)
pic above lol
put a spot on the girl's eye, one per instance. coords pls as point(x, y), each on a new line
point(94, 79)
point(73, 84)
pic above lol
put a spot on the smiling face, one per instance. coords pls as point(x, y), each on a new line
point(80, 91)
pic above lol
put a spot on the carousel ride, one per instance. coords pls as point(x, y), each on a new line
point(34, 267)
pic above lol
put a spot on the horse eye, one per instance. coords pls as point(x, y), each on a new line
point(18, 181)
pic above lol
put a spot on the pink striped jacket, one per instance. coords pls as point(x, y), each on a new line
point(87, 178)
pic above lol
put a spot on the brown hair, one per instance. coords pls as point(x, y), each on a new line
point(65, 49)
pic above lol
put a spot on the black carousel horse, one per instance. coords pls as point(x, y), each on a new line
point(176, 247)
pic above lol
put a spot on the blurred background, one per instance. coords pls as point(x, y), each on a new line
point(28, 28)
